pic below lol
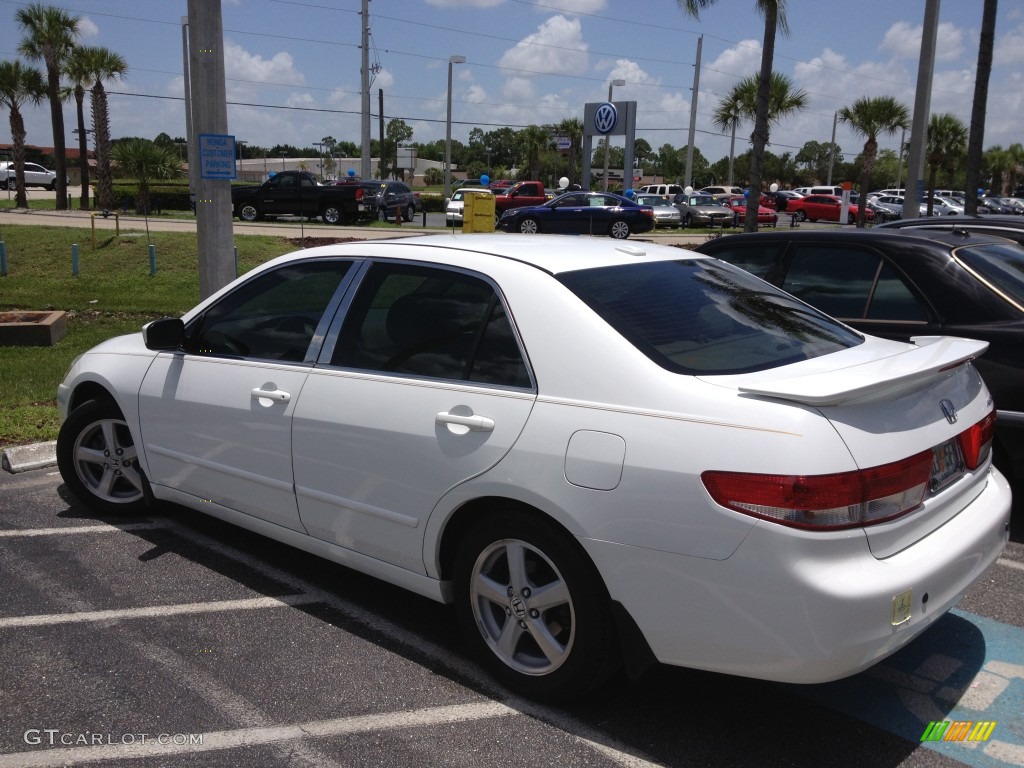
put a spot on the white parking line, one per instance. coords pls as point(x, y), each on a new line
point(14, 533)
point(1010, 563)
point(248, 737)
point(154, 611)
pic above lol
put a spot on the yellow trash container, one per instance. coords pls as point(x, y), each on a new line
point(478, 210)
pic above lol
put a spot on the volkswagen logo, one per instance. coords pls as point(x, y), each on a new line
point(606, 117)
point(949, 410)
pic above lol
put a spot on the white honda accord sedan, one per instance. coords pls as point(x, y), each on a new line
point(601, 453)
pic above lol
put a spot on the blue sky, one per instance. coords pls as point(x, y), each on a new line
point(293, 66)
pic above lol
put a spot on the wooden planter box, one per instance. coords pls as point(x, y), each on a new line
point(32, 329)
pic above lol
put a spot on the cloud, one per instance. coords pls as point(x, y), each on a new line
point(557, 47)
point(87, 28)
point(242, 65)
point(573, 6)
point(903, 40)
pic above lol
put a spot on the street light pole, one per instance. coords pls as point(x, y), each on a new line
point(240, 142)
point(448, 129)
point(604, 179)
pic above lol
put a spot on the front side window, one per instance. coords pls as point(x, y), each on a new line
point(426, 321)
point(271, 317)
point(701, 316)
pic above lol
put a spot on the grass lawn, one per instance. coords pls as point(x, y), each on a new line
point(113, 294)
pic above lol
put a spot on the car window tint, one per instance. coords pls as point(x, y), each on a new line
point(271, 317)
point(430, 322)
point(701, 316)
point(836, 280)
point(893, 300)
point(758, 260)
point(1002, 266)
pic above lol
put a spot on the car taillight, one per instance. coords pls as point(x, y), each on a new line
point(826, 502)
point(359, 193)
point(976, 442)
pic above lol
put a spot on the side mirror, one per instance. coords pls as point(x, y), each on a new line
point(167, 333)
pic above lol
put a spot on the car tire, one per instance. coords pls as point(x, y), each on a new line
point(98, 461)
point(688, 221)
point(410, 212)
point(52, 186)
point(382, 213)
point(248, 212)
point(800, 215)
point(561, 646)
point(529, 226)
point(331, 214)
point(618, 229)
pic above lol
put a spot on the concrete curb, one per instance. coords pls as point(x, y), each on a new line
point(22, 458)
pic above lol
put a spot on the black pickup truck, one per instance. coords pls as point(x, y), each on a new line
point(296, 193)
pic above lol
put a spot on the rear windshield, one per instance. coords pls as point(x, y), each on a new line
point(1000, 265)
point(701, 316)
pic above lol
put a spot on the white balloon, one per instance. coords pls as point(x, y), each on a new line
point(774, 187)
point(563, 182)
point(688, 191)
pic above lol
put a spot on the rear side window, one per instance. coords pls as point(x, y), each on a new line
point(850, 283)
point(756, 259)
point(700, 316)
point(438, 323)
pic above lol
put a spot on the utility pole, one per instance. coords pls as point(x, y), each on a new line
point(365, 171)
point(693, 116)
point(832, 149)
point(210, 116)
point(922, 107)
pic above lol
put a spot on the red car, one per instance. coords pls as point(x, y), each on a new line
point(765, 216)
point(823, 207)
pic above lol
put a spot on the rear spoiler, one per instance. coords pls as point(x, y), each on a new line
point(931, 358)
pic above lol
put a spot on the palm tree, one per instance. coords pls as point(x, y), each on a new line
point(774, 12)
point(572, 129)
point(975, 149)
point(996, 163)
point(19, 85)
point(870, 117)
point(947, 140)
point(103, 64)
point(533, 141)
point(49, 35)
point(146, 161)
point(78, 71)
point(741, 104)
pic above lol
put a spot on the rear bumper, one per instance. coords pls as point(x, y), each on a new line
point(801, 607)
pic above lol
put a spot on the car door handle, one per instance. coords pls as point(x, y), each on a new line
point(473, 423)
point(277, 395)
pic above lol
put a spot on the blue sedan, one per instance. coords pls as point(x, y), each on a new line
point(581, 213)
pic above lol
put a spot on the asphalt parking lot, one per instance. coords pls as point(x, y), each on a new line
point(175, 639)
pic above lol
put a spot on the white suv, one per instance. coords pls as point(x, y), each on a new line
point(35, 176)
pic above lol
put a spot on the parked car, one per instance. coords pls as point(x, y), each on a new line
point(904, 283)
point(667, 191)
point(895, 203)
point(665, 214)
point(945, 206)
point(884, 211)
point(765, 216)
point(702, 210)
point(581, 213)
point(824, 208)
point(1010, 227)
point(783, 198)
point(453, 210)
point(821, 190)
point(383, 198)
point(595, 451)
point(35, 176)
point(721, 193)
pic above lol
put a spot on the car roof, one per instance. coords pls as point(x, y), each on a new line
point(876, 235)
point(1011, 227)
point(551, 253)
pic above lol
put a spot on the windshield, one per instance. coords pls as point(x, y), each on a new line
point(1000, 265)
point(702, 316)
point(703, 200)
